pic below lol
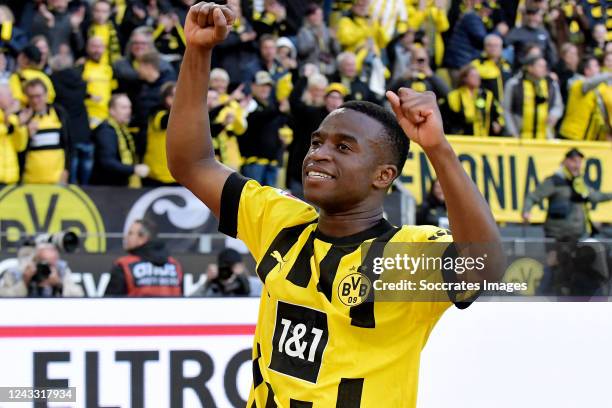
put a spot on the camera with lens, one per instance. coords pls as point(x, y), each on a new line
point(225, 272)
point(64, 241)
point(43, 271)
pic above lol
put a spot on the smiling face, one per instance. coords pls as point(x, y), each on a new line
point(347, 163)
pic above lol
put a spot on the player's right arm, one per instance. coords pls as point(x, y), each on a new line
point(191, 157)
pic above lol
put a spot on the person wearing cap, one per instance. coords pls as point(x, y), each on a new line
point(532, 101)
point(286, 54)
point(311, 101)
point(569, 200)
point(261, 146)
point(228, 277)
point(532, 32)
point(28, 61)
point(466, 41)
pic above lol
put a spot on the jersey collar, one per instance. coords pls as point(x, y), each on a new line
point(380, 228)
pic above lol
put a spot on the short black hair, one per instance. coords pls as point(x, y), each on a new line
point(32, 53)
point(573, 153)
point(393, 132)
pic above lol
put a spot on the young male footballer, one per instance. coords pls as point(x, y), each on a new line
point(312, 348)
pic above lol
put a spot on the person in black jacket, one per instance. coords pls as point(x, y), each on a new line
point(348, 76)
point(420, 76)
point(260, 146)
point(147, 269)
point(115, 152)
point(227, 278)
point(306, 116)
point(433, 209)
point(466, 38)
point(238, 50)
point(532, 32)
point(140, 75)
point(567, 67)
point(71, 93)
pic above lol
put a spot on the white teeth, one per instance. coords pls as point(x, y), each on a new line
point(318, 175)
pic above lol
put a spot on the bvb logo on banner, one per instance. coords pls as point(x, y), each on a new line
point(29, 209)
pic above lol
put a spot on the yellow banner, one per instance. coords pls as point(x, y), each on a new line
point(506, 169)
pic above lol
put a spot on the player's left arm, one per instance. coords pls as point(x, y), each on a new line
point(470, 217)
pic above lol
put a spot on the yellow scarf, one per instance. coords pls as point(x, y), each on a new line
point(580, 188)
point(127, 150)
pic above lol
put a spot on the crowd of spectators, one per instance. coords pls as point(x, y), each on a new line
point(86, 86)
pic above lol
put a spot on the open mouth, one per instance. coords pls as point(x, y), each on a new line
point(318, 175)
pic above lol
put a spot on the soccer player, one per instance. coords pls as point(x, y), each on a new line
point(310, 348)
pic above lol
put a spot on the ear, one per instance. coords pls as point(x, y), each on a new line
point(384, 176)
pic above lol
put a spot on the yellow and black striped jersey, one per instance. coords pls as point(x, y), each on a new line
point(47, 151)
point(311, 348)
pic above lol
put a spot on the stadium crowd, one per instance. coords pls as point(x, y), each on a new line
point(86, 86)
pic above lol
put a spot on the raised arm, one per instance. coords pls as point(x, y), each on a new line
point(191, 157)
point(469, 214)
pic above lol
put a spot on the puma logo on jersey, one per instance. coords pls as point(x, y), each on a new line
point(276, 255)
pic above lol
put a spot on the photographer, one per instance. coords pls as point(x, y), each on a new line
point(227, 278)
point(41, 273)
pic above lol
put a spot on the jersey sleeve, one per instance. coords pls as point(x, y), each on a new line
point(461, 299)
point(256, 214)
point(442, 245)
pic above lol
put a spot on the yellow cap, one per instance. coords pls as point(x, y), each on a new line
point(336, 87)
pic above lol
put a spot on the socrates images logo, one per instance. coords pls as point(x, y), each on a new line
point(28, 209)
point(354, 289)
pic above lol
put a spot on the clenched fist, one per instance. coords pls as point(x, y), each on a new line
point(419, 116)
point(207, 24)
